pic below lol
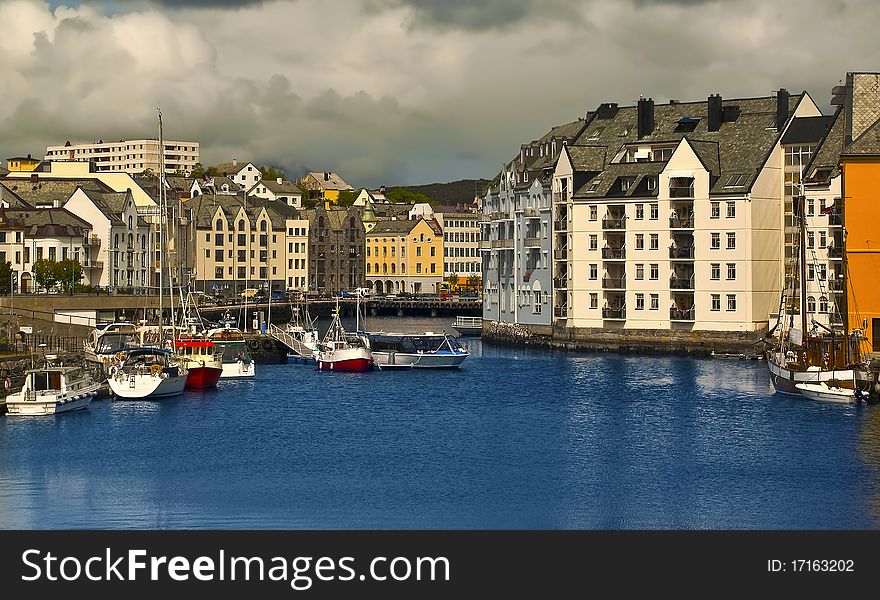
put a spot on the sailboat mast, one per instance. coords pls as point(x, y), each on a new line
point(803, 266)
point(161, 213)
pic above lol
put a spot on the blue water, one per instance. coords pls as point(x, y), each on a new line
point(516, 439)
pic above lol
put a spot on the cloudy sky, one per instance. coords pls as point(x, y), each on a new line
point(395, 91)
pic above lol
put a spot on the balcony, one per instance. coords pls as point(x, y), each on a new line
point(91, 242)
point(560, 225)
point(836, 285)
point(485, 245)
point(560, 283)
point(681, 314)
point(560, 254)
point(614, 314)
point(614, 283)
point(560, 312)
point(613, 253)
point(835, 252)
point(559, 198)
point(93, 264)
point(682, 283)
point(681, 187)
point(681, 253)
point(614, 223)
point(532, 242)
point(531, 213)
point(503, 244)
point(681, 222)
point(835, 219)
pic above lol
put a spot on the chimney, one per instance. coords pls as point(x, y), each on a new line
point(234, 162)
point(781, 108)
point(382, 189)
point(326, 176)
point(645, 117)
point(280, 181)
point(860, 104)
point(715, 114)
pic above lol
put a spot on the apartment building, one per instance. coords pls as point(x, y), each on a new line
point(336, 250)
point(517, 241)
point(461, 243)
point(404, 256)
point(129, 156)
point(670, 217)
point(323, 186)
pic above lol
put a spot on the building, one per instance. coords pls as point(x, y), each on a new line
point(405, 256)
point(371, 197)
point(336, 250)
point(278, 190)
point(860, 169)
point(461, 244)
point(117, 253)
point(244, 174)
point(29, 235)
point(20, 164)
point(129, 156)
point(324, 186)
point(517, 241)
point(670, 217)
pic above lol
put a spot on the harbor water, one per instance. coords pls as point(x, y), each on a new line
point(515, 439)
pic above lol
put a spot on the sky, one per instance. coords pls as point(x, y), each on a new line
point(389, 92)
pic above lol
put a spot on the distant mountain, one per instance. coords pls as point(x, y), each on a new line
point(454, 192)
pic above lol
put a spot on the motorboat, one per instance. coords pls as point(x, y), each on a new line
point(202, 358)
point(827, 393)
point(51, 391)
point(468, 325)
point(235, 360)
point(341, 351)
point(148, 374)
point(108, 339)
point(416, 350)
point(303, 333)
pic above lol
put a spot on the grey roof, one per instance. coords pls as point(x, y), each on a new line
point(739, 147)
point(47, 222)
point(824, 164)
point(111, 205)
point(227, 167)
point(391, 210)
point(11, 198)
point(402, 226)
point(587, 157)
point(334, 181)
point(807, 130)
point(285, 187)
point(51, 191)
point(609, 182)
point(867, 144)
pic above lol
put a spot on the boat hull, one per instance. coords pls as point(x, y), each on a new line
point(426, 360)
point(147, 386)
point(238, 370)
point(203, 377)
point(351, 365)
point(825, 393)
point(786, 380)
point(16, 406)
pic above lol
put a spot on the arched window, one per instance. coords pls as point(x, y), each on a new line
point(811, 304)
point(130, 222)
point(393, 268)
point(263, 226)
point(115, 240)
point(219, 225)
point(130, 240)
point(377, 268)
point(241, 224)
point(368, 268)
point(321, 221)
point(823, 304)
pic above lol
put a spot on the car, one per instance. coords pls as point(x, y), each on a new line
point(249, 293)
point(344, 294)
point(445, 296)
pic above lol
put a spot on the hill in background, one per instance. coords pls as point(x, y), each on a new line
point(454, 192)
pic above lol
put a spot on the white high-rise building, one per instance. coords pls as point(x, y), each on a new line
point(129, 156)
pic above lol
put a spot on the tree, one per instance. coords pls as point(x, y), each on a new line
point(401, 195)
point(69, 273)
point(347, 197)
point(473, 282)
point(198, 171)
point(5, 277)
point(45, 273)
point(271, 173)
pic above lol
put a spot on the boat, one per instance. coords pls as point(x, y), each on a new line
point(148, 374)
point(51, 391)
point(416, 350)
point(108, 339)
point(235, 360)
point(301, 328)
point(341, 351)
point(827, 393)
point(468, 325)
point(203, 360)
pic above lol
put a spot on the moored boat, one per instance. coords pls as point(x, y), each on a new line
point(202, 359)
point(235, 360)
point(826, 393)
point(52, 390)
point(416, 350)
point(108, 339)
point(341, 351)
point(148, 374)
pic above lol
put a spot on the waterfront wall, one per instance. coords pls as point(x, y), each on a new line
point(640, 341)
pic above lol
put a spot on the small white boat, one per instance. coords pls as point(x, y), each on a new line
point(468, 325)
point(416, 350)
point(148, 374)
point(51, 391)
point(826, 393)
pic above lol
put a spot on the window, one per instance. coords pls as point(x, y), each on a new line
point(655, 301)
point(655, 212)
point(731, 210)
point(715, 271)
point(655, 241)
point(640, 241)
point(811, 272)
point(655, 272)
point(640, 302)
point(594, 242)
point(821, 273)
point(640, 212)
point(594, 213)
point(731, 271)
point(716, 241)
point(652, 183)
point(811, 207)
point(823, 240)
point(594, 272)
point(716, 301)
point(594, 301)
point(640, 271)
point(811, 304)
point(810, 240)
point(716, 210)
point(731, 302)
point(823, 304)
point(731, 240)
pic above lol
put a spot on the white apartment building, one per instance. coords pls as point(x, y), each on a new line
point(461, 242)
point(670, 217)
point(129, 156)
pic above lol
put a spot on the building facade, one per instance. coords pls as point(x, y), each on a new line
point(129, 156)
point(461, 245)
point(404, 256)
point(324, 186)
point(335, 250)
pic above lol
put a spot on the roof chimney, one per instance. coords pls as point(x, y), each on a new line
point(714, 117)
point(645, 117)
point(234, 162)
point(381, 189)
point(326, 176)
point(280, 181)
point(781, 108)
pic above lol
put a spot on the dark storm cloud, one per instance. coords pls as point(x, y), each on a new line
point(478, 15)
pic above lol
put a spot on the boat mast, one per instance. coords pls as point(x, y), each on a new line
point(161, 213)
point(802, 248)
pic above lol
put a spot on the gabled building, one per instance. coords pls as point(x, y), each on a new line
point(336, 249)
point(244, 174)
point(323, 186)
point(371, 197)
point(404, 256)
point(278, 190)
point(21, 164)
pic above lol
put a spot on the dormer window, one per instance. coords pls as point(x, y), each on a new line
point(596, 133)
point(687, 124)
point(626, 183)
point(652, 183)
point(661, 154)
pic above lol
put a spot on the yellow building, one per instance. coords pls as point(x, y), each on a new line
point(405, 256)
point(860, 164)
point(22, 164)
point(325, 186)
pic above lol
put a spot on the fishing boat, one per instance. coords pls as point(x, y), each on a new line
point(468, 325)
point(51, 391)
point(203, 360)
point(342, 351)
point(148, 374)
point(826, 393)
point(416, 350)
point(108, 339)
point(236, 362)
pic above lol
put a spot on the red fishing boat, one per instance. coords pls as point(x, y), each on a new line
point(203, 359)
point(341, 351)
